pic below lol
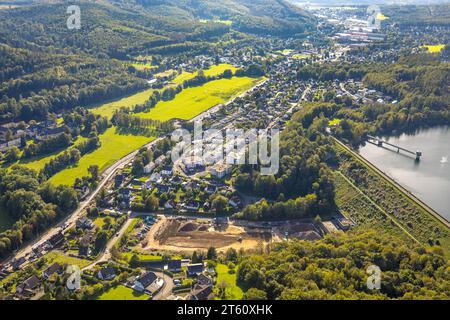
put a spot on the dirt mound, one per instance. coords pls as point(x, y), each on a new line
point(188, 227)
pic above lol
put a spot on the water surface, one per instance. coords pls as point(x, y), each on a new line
point(428, 179)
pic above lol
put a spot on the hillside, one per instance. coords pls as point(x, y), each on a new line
point(274, 17)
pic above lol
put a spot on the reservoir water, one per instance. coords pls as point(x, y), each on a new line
point(429, 179)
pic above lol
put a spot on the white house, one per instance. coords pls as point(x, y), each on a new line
point(149, 168)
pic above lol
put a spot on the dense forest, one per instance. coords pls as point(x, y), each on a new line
point(263, 17)
point(34, 206)
point(335, 268)
point(303, 186)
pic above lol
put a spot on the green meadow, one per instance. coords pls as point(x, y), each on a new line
point(192, 101)
point(108, 109)
point(213, 71)
point(114, 147)
point(142, 65)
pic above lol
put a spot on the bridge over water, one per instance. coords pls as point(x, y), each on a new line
point(380, 142)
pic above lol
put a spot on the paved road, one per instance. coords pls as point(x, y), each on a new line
point(106, 253)
point(167, 287)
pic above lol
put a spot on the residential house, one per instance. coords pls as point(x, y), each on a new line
point(148, 169)
point(194, 269)
point(162, 188)
point(144, 281)
point(107, 273)
point(28, 286)
point(56, 240)
point(192, 205)
point(55, 268)
point(203, 280)
point(85, 223)
point(169, 205)
point(235, 202)
point(155, 177)
point(118, 180)
point(174, 265)
point(17, 263)
point(211, 189)
point(83, 248)
point(160, 160)
point(201, 292)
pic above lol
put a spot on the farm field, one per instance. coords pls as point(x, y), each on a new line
point(142, 66)
point(122, 293)
point(193, 101)
point(114, 147)
point(232, 291)
point(434, 48)
point(213, 71)
point(108, 109)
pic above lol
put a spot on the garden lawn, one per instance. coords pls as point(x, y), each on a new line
point(192, 101)
point(55, 256)
point(142, 257)
point(108, 109)
point(114, 146)
point(233, 292)
point(122, 293)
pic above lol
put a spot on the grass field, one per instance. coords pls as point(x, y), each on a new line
point(232, 292)
point(226, 22)
point(5, 220)
point(213, 71)
point(108, 109)
point(299, 56)
point(114, 147)
point(434, 48)
point(38, 163)
point(142, 66)
point(55, 256)
point(193, 101)
point(122, 293)
point(142, 257)
point(100, 221)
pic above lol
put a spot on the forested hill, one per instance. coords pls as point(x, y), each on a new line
point(105, 29)
point(273, 17)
